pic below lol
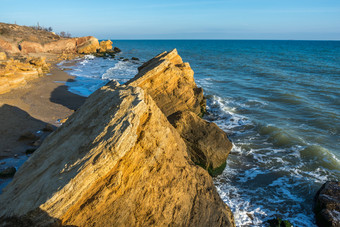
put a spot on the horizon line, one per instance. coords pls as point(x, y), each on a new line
point(336, 40)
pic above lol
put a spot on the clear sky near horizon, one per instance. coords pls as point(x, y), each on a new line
point(181, 19)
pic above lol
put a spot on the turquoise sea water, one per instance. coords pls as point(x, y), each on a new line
point(278, 100)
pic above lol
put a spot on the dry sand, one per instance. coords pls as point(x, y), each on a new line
point(29, 108)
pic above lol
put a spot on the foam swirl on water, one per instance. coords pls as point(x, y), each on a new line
point(266, 176)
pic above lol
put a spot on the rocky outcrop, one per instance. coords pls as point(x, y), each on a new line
point(16, 73)
point(327, 205)
point(208, 145)
point(170, 82)
point(91, 45)
point(105, 46)
point(117, 161)
point(39, 62)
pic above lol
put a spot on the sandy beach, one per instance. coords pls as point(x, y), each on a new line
point(30, 108)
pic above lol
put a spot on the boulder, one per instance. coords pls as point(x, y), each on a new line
point(39, 62)
point(327, 205)
point(117, 161)
point(3, 56)
point(104, 46)
point(116, 50)
point(170, 82)
point(208, 145)
point(88, 46)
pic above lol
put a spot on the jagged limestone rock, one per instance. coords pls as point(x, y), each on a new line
point(208, 145)
point(117, 161)
point(105, 45)
point(91, 45)
point(171, 84)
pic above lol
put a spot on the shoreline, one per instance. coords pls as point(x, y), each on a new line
point(30, 108)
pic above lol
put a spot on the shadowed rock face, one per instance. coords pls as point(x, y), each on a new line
point(327, 205)
point(208, 145)
point(170, 83)
point(117, 161)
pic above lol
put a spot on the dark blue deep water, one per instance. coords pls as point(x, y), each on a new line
point(278, 100)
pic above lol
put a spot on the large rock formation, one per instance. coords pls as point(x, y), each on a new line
point(327, 205)
point(16, 73)
point(208, 145)
point(170, 82)
point(105, 46)
point(117, 161)
point(91, 45)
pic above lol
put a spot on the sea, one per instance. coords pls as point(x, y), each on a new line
point(279, 101)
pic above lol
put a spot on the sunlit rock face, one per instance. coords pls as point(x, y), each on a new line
point(171, 84)
point(117, 161)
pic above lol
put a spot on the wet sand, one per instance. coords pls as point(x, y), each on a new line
point(30, 108)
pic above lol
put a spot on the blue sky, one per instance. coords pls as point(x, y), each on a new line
point(175, 19)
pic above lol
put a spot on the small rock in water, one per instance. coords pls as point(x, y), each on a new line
point(48, 128)
point(278, 222)
point(125, 59)
point(121, 58)
point(8, 172)
point(116, 49)
point(28, 136)
point(2, 163)
point(135, 59)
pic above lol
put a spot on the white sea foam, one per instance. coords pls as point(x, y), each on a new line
point(90, 56)
point(262, 181)
point(122, 71)
point(91, 73)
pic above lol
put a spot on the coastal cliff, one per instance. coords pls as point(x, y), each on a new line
point(16, 39)
point(24, 50)
point(118, 161)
